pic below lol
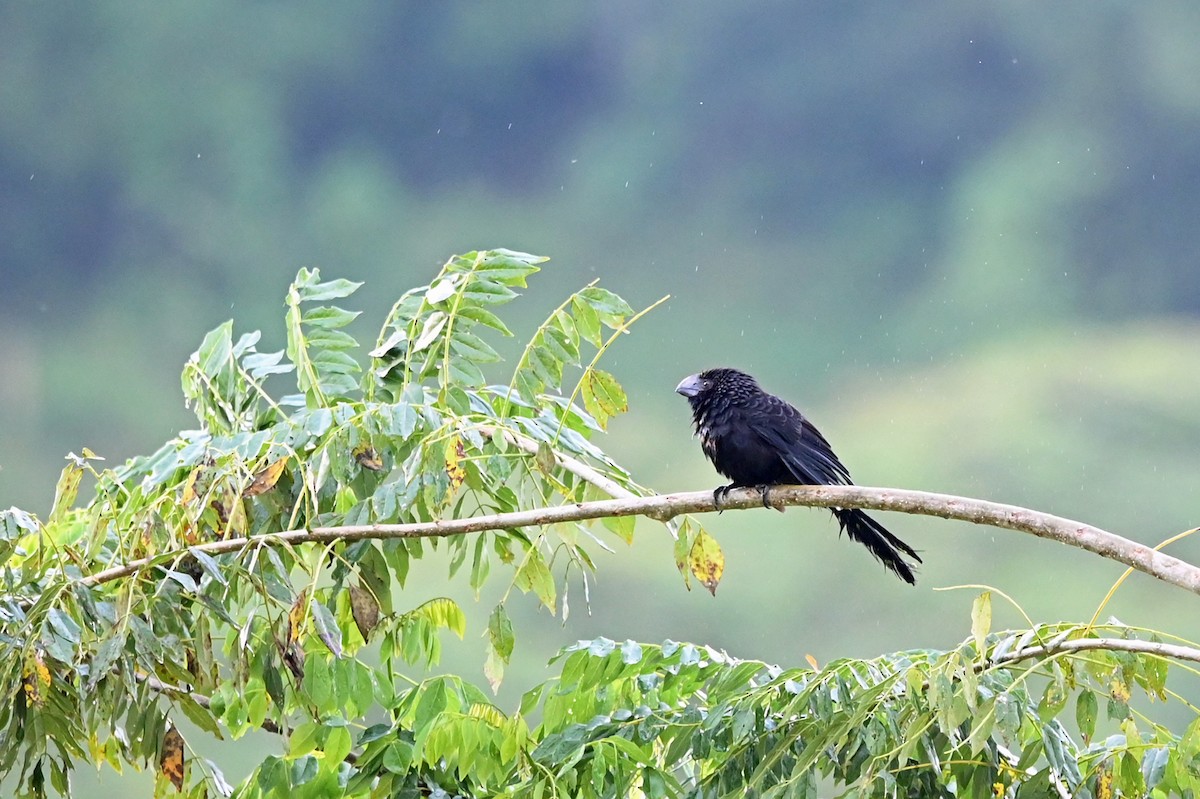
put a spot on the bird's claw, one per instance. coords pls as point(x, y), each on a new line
point(719, 494)
point(766, 496)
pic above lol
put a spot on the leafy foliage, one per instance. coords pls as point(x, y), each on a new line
point(271, 635)
point(169, 595)
point(679, 719)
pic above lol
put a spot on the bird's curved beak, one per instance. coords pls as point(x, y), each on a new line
point(689, 386)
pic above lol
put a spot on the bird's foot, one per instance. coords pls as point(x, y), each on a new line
point(765, 490)
point(719, 494)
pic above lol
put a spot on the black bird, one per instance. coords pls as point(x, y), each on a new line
point(758, 440)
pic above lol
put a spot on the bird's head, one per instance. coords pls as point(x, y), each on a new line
point(704, 384)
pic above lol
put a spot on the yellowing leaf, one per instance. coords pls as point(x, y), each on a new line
point(236, 521)
point(488, 713)
point(812, 661)
point(170, 762)
point(707, 561)
point(66, 490)
point(266, 479)
point(368, 458)
point(189, 488)
point(296, 615)
point(293, 654)
point(36, 677)
point(454, 470)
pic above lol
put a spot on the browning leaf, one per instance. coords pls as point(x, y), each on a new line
point(293, 658)
point(707, 561)
point(293, 655)
point(266, 479)
point(171, 763)
point(365, 609)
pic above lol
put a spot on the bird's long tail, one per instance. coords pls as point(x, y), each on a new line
point(887, 548)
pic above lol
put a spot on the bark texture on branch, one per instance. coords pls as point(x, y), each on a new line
point(663, 507)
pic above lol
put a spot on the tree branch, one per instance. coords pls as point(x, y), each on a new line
point(169, 690)
point(1174, 651)
point(666, 506)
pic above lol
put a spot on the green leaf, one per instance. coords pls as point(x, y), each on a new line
point(560, 345)
point(487, 292)
point(335, 340)
point(305, 738)
point(199, 715)
point(1086, 708)
point(480, 564)
point(611, 309)
point(318, 682)
point(440, 612)
point(327, 627)
point(545, 459)
point(500, 632)
point(587, 321)
point(216, 350)
point(310, 290)
point(981, 621)
point(1154, 766)
point(64, 625)
point(442, 290)
point(484, 317)
point(328, 316)
point(603, 396)
point(337, 744)
point(66, 491)
point(106, 655)
point(547, 368)
point(209, 565)
point(509, 267)
point(468, 345)
point(433, 326)
point(622, 526)
point(499, 646)
point(534, 575)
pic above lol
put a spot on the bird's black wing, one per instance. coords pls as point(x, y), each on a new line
point(800, 445)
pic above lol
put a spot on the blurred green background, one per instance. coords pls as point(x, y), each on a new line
point(963, 237)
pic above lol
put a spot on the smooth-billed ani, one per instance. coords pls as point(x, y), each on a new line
point(758, 440)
